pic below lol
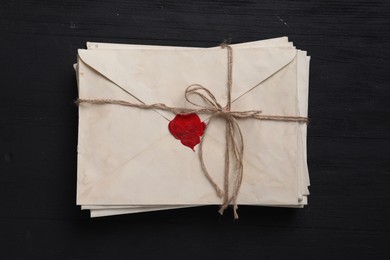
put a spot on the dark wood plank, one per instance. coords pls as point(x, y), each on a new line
point(348, 143)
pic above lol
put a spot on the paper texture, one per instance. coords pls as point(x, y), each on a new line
point(127, 160)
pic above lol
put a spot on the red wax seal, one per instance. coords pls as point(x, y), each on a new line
point(187, 128)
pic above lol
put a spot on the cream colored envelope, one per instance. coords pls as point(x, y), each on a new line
point(98, 211)
point(274, 42)
point(115, 183)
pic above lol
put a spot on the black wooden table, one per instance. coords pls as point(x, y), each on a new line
point(348, 216)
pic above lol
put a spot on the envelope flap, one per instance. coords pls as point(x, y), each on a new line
point(161, 76)
point(155, 76)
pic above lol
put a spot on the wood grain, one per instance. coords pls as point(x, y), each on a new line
point(348, 144)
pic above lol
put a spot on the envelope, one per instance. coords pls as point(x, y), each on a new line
point(128, 159)
point(103, 210)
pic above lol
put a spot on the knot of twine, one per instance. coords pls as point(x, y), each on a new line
point(234, 138)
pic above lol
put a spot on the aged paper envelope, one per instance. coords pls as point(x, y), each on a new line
point(90, 193)
point(303, 69)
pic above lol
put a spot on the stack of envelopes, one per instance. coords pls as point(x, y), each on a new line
point(129, 162)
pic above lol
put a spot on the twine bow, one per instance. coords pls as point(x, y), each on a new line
point(234, 138)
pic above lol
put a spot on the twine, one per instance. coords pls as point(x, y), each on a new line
point(234, 138)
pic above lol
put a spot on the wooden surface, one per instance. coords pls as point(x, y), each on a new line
point(348, 216)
